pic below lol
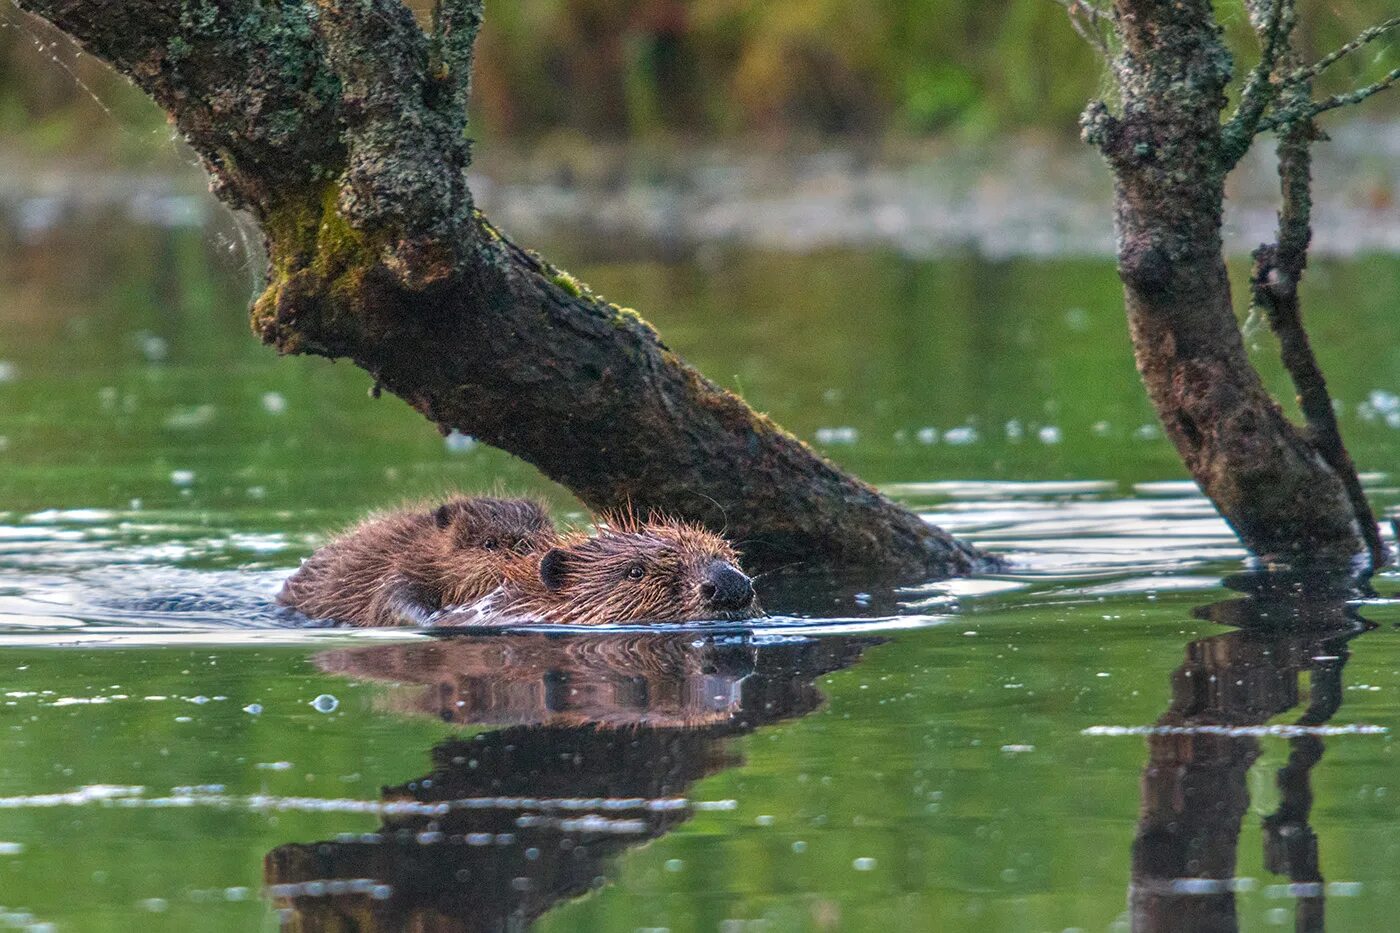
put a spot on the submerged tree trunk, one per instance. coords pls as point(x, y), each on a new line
point(340, 126)
point(1277, 486)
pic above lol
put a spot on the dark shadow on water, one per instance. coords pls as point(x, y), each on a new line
point(1194, 788)
point(602, 738)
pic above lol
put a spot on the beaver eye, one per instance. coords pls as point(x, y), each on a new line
point(635, 572)
point(490, 544)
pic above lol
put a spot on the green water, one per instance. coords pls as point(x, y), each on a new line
point(933, 759)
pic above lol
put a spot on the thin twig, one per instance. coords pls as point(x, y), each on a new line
point(1322, 64)
point(1356, 96)
point(1086, 19)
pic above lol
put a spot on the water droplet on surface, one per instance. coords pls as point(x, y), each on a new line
point(864, 864)
point(325, 703)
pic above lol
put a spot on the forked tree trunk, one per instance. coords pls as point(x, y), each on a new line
point(340, 126)
point(1170, 153)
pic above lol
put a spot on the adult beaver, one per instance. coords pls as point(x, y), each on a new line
point(401, 567)
point(658, 570)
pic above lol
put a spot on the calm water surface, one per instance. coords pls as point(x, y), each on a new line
point(1107, 735)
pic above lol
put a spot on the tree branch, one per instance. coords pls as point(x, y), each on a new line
point(1170, 156)
point(455, 26)
point(1259, 92)
point(333, 123)
point(1278, 272)
point(1322, 64)
point(1356, 96)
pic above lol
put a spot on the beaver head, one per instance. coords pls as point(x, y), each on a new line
point(633, 571)
point(481, 539)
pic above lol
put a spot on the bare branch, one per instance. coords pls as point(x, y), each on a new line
point(1357, 96)
point(1259, 90)
point(1322, 64)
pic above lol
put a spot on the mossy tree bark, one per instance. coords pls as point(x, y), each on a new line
point(340, 126)
point(1290, 494)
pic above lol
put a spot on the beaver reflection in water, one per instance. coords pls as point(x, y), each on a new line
point(402, 567)
point(658, 570)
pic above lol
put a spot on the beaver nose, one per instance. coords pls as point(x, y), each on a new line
point(726, 588)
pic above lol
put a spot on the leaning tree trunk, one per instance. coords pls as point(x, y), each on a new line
point(1170, 152)
point(340, 126)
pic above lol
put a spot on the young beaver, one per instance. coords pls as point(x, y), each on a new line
point(400, 568)
point(629, 571)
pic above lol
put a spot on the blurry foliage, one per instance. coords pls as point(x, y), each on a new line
point(719, 68)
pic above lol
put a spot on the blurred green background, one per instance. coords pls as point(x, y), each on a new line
point(864, 70)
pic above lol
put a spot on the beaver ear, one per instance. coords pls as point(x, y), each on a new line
point(553, 566)
point(442, 517)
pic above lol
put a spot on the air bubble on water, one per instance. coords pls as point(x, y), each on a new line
point(155, 349)
point(840, 435)
point(325, 703)
point(11, 848)
point(927, 435)
point(1148, 432)
point(190, 418)
point(799, 847)
point(183, 719)
point(1049, 434)
point(253, 709)
point(182, 478)
point(155, 905)
point(274, 403)
point(674, 864)
point(1101, 428)
point(962, 436)
point(1015, 430)
point(458, 443)
point(9, 372)
point(764, 820)
point(863, 864)
point(273, 766)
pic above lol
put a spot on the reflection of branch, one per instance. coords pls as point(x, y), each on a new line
point(1194, 788)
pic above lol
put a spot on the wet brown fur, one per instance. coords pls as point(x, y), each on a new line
point(401, 567)
point(630, 570)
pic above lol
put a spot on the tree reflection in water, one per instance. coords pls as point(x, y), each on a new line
point(604, 734)
point(1194, 790)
